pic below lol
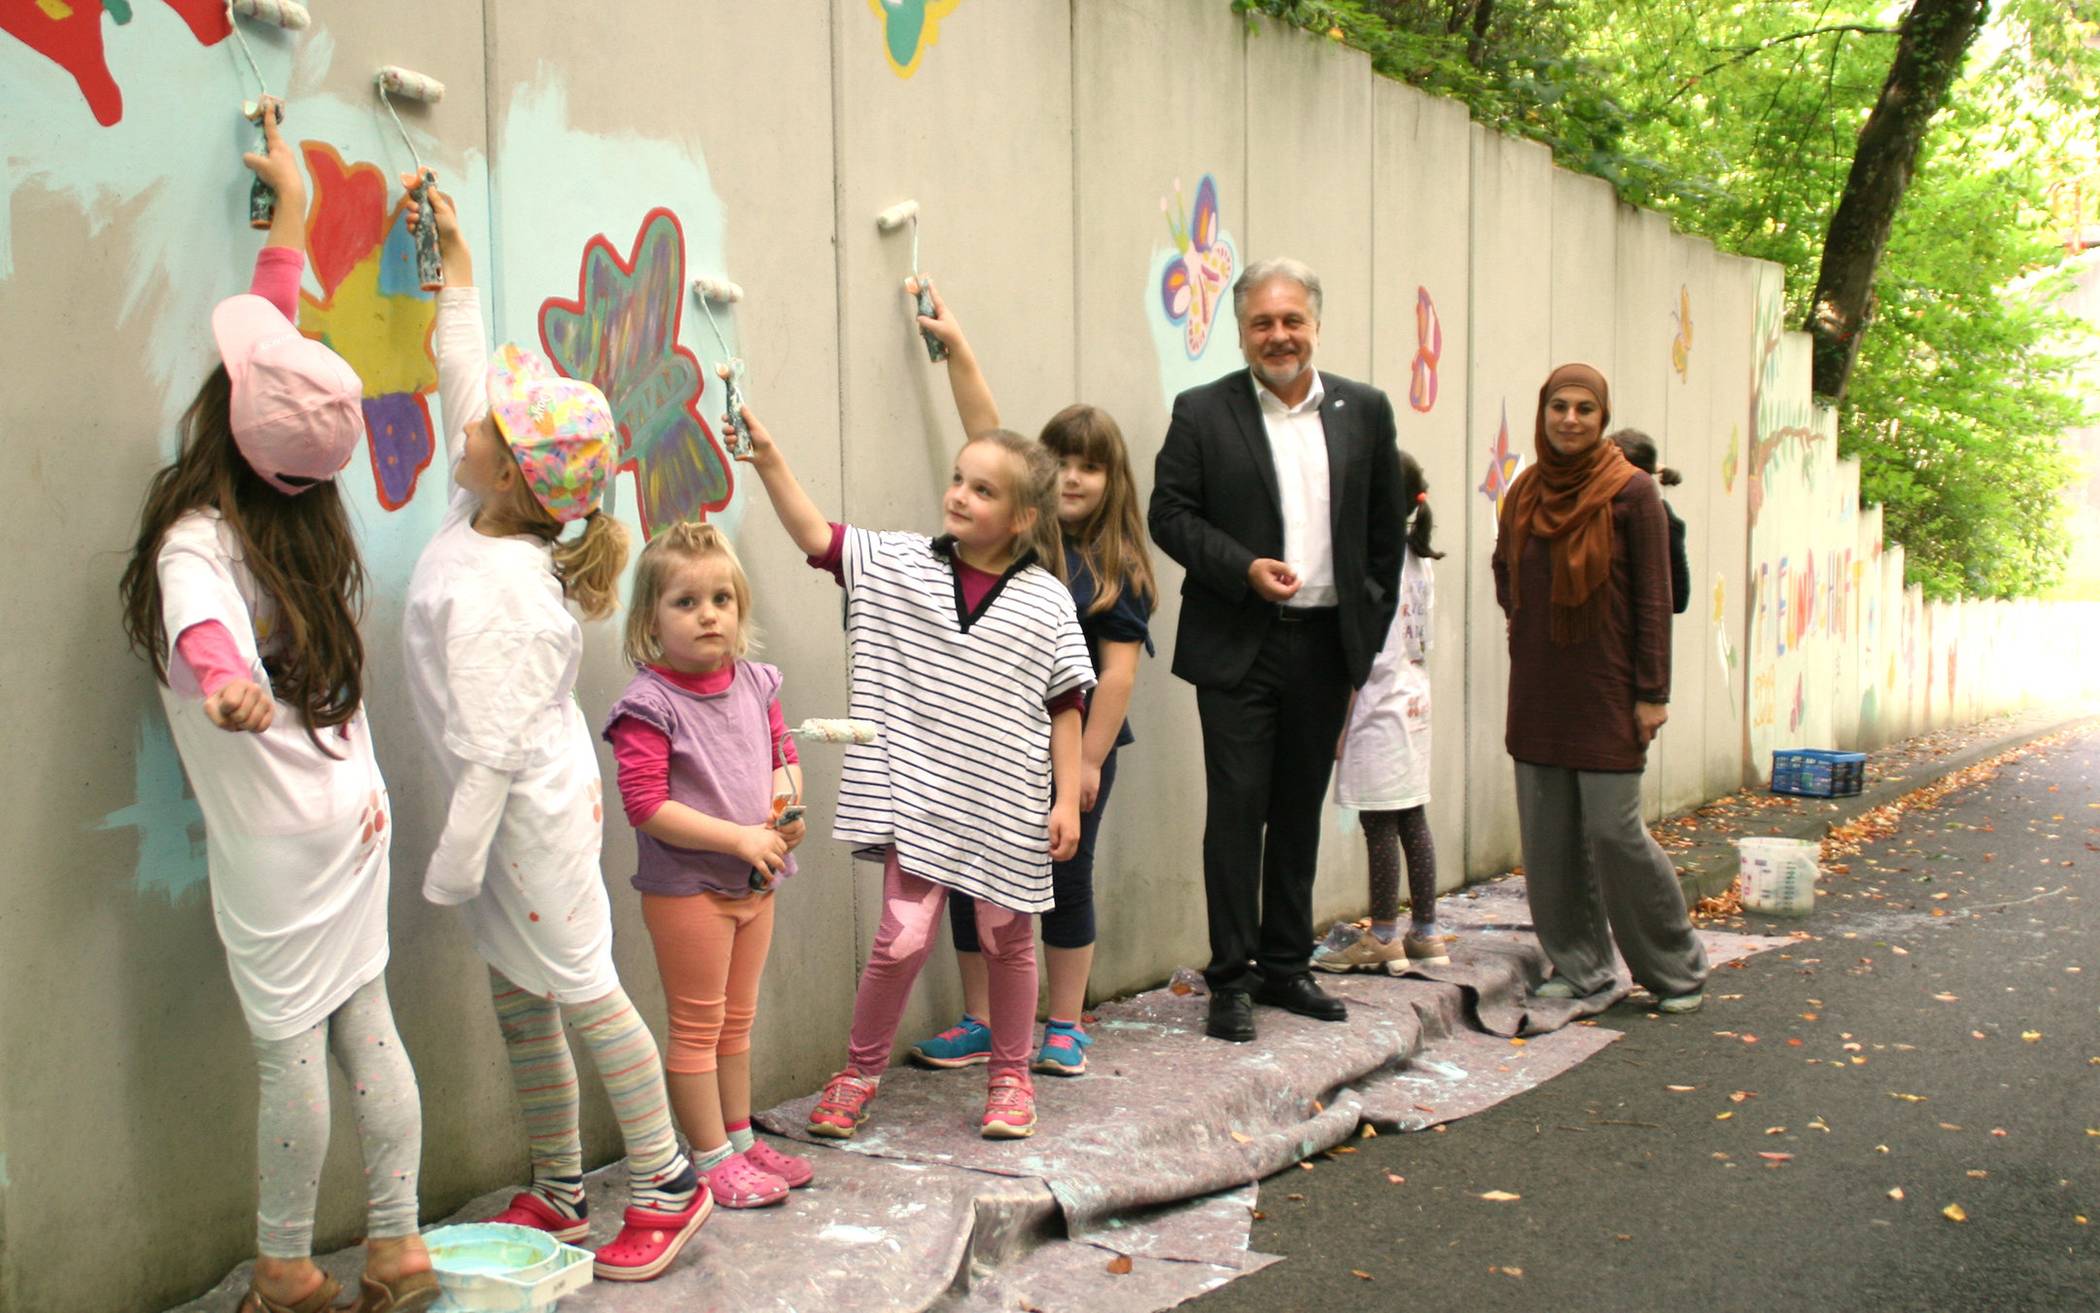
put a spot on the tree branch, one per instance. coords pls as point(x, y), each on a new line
point(1746, 52)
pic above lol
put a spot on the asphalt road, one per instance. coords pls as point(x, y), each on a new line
point(1931, 1043)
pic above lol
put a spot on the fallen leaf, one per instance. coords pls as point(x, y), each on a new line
point(1998, 1131)
point(1749, 1039)
point(1741, 1095)
point(1500, 1196)
point(1949, 1126)
point(1897, 1194)
point(1370, 1132)
point(1518, 1043)
point(2079, 1218)
point(1811, 1016)
point(1955, 1213)
point(1777, 1157)
point(1977, 1173)
point(1396, 1178)
point(1304, 1167)
point(1775, 1130)
point(1508, 1271)
point(1243, 1139)
point(1948, 998)
point(1977, 1034)
point(1628, 1237)
point(1680, 1089)
point(1119, 1265)
point(1907, 1098)
point(1881, 1148)
point(1723, 1116)
point(1295, 1198)
point(2030, 1035)
point(1359, 1274)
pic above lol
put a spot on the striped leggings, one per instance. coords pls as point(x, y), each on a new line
point(544, 1076)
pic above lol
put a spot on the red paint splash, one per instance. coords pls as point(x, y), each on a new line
point(69, 34)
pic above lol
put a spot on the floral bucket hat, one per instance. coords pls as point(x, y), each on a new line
point(560, 430)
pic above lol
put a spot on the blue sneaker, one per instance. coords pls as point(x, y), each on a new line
point(964, 1044)
point(1063, 1052)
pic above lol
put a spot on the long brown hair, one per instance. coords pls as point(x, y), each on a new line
point(1112, 540)
point(588, 565)
point(1032, 482)
point(299, 550)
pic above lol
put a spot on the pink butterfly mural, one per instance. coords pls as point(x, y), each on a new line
point(1195, 283)
point(1503, 465)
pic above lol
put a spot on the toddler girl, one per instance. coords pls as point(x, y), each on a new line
point(492, 661)
point(704, 756)
point(244, 591)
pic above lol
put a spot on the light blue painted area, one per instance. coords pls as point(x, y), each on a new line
point(169, 823)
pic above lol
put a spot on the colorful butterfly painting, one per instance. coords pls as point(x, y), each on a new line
point(1731, 461)
point(1681, 345)
point(1194, 285)
point(1503, 465)
point(908, 28)
point(69, 34)
point(621, 333)
point(1429, 349)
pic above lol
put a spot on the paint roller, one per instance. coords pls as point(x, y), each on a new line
point(290, 14)
point(393, 80)
point(890, 220)
point(787, 807)
point(728, 293)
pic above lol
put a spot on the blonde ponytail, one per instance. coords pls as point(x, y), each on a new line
point(589, 566)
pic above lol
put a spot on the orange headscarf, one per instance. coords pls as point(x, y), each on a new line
point(1567, 499)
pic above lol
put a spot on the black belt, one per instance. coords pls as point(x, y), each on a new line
point(1296, 615)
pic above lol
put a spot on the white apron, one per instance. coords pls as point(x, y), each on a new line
point(1385, 746)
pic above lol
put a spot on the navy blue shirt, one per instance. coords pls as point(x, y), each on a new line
point(1124, 620)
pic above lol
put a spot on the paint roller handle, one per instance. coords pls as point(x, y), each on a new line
point(750, 442)
point(442, 232)
point(277, 196)
point(430, 265)
point(929, 308)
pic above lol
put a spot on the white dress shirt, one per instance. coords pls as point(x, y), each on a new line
point(1298, 447)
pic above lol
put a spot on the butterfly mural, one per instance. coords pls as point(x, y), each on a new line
point(1731, 460)
point(69, 34)
point(1503, 465)
point(908, 28)
point(373, 312)
point(1681, 345)
point(621, 334)
point(1429, 349)
point(1194, 285)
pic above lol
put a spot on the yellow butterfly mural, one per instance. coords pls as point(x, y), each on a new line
point(1681, 345)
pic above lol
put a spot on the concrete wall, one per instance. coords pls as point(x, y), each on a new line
point(598, 169)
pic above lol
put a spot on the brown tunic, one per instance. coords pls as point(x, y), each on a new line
point(1573, 706)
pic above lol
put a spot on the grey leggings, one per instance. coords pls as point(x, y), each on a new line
point(1593, 874)
point(291, 1134)
point(1385, 835)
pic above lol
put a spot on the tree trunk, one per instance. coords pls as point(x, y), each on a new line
point(1476, 44)
point(1935, 38)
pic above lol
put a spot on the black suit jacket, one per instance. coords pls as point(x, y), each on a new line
point(1215, 509)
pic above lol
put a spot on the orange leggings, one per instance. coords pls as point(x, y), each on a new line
point(710, 952)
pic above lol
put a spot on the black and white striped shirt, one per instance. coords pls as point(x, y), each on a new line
point(960, 781)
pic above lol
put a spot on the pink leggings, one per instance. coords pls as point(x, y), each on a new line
point(911, 909)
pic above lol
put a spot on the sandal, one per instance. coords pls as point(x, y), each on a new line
point(411, 1293)
point(320, 1301)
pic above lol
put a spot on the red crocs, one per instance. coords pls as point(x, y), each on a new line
point(527, 1208)
point(650, 1238)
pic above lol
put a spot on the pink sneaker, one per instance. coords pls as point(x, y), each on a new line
point(843, 1106)
point(1009, 1107)
point(737, 1182)
point(650, 1238)
point(795, 1171)
point(527, 1208)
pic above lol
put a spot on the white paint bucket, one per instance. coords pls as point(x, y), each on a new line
point(1778, 876)
point(492, 1267)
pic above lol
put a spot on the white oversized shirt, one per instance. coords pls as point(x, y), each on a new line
point(1298, 447)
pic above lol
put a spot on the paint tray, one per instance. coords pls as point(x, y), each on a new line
point(491, 1267)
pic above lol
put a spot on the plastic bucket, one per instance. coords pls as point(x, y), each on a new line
point(491, 1267)
point(1778, 876)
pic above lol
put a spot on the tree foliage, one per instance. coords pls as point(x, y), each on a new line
point(1740, 121)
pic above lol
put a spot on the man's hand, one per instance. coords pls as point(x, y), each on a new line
point(1272, 580)
point(1648, 717)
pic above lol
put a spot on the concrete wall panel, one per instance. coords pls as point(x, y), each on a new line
point(1645, 312)
point(1718, 610)
point(1687, 445)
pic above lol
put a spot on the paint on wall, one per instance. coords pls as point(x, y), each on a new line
point(170, 825)
point(1429, 349)
point(1730, 460)
point(1503, 465)
point(1724, 650)
point(1197, 279)
point(909, 27)
point(1681, 344)
point(373, 312)
point(69, 34)
point(621, 333)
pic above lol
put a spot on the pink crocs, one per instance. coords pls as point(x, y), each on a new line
point(650, 1238)
point(527, 1208)
point(737, 1182)
point(795, 1171)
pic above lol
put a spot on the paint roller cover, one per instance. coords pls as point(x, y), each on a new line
point(399, 81)
point(838, 731)
point(718, 289)
point(897, 215)
point(281, 13)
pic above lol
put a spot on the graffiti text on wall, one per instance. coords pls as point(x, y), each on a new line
point(621, 333)
point(69, 34)
point(1193, 285)
point(374, 313)
point(908, 28)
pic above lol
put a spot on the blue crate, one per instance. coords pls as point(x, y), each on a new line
point(1815, 773)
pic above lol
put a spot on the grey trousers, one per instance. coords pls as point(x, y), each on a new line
point(1593, 873)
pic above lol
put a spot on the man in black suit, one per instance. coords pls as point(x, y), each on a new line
point(1277, 490)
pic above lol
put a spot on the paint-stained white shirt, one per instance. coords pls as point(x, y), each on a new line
point(1298, 446)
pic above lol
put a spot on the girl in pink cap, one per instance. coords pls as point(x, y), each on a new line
point(493, 653)
point(244, 592)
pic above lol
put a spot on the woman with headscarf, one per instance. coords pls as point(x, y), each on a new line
point(1582, 571)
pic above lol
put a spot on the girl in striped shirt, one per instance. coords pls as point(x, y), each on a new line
point(966, 650)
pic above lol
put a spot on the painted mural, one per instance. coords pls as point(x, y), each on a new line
point(1429, 349)
point(1681, 343)
point(373, 312)
point(621, 334)
point(909, 27)
point(69, 33)
point(1189, 291)
point(1503, 464)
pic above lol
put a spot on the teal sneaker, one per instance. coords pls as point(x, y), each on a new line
point(964, 1044)
point(1063, 1052)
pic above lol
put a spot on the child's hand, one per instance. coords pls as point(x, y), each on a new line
point(277, 164)
point(1089, 786)
point(442, 210)
point(1064, 830)
point(763, 847)
point(792, 833)
point(943, 326)
point(763, 449)
point(241, 705)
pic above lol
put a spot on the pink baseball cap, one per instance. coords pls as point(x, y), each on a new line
point(298, 407)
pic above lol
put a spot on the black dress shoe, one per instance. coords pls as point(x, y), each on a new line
point(1231, 1016)
point(1300, 995)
